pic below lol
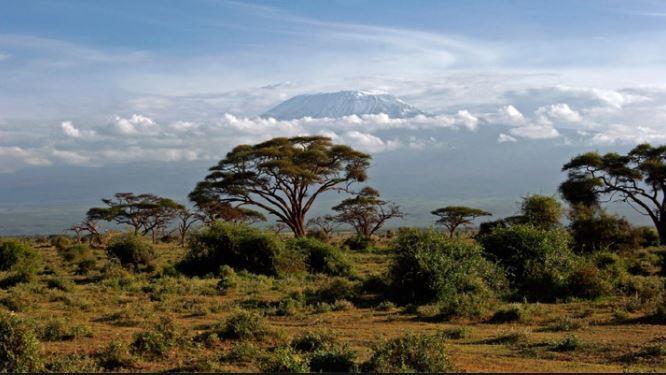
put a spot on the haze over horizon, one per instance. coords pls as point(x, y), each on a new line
point(99, 97)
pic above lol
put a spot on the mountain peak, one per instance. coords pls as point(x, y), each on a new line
point(342, 103)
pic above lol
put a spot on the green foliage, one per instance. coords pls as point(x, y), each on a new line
point(320, 257)
point(334, 359)
point(542, 211)
point(284, 359)
point(58, 330)
point(429, 267)
point(334, 290)
point(586, 280)
point(358, 243)
point(18, 256)
point(132, 251)
point(452, 217)
point(228, 279)
point(594, 229)
point(537, 261)
point(61, 242)
point(240, 247)
point(19, 347)
point(115, 356)
point(158, 341)
point(410, 353)
point(75, 253)
point(244, 325)
point(312, 341)
point(568, 343)
point(512, 313)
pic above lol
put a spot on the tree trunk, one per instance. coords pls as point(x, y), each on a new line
point(661, 229)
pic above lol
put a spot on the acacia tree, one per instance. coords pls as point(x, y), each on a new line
point(284, 176)
point(366, 212)
point(211, 208)
point(144, 213)
point(453, 217)
point(637, 178)
point(326, 224)
point(186, 218)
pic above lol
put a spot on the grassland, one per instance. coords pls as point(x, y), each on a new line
point(79, 316)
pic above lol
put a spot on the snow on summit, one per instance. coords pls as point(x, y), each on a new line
point(342, 103)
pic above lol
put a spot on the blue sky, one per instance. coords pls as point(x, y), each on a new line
point(81, 79)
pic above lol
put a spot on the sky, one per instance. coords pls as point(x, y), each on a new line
point(92, 84)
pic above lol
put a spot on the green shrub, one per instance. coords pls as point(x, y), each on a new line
point(58, 330)
point(334, 359)
point(284, 359)
point(567, 344)
point(61, 242)
point(587, 281)
point(73, 363)
point(312, 341)
point(321, 257)
point(513, 313)
point(85, 266)
point(158, 341)
point(243, 351)
point(454, 333)
point(563, 325)
point(537, 261)
point(228, 279)
point(18, 256)
point(410, 353)
point(429, 267)
point(132, 251)
point(334, 290)
point(240, 247)
point(647, 236)
point(19, 347)
point(75, 253)
point(542, 211)
point(244, 325)
point(594, 229)
point(358, 243)
point(114, 357)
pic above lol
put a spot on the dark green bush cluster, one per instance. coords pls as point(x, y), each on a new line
point(241, 247)
point(410, 353)
point(20, 258)
point(358, 243)
point(320, 257)
point(132, 251)
point(244, 325)
point(429, 267)
point(323, 353)
point(537, 260)
point(19, 347)
point(158, 341)
point(594, 230)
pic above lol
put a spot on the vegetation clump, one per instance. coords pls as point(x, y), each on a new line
point(410, 353)
point(321, 257)
point(132, 251)
point(19, 348)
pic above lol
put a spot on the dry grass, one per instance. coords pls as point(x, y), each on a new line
point(117, 306)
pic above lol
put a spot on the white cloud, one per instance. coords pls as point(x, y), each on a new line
point(137, 124)
point(467, 119)
point(503, 138)
point(368, 142)
point(560, 112)
point(70, 130)
point(624, 134)
point(535, 132)
point(511, 115)
point(13, 158)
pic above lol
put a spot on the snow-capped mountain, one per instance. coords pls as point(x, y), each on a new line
point(342, 103)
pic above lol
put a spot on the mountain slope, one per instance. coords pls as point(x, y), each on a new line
point(342, 103)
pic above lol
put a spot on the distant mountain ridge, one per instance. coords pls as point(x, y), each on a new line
point(342, 103)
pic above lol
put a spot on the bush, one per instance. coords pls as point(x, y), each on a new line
point(132, 251)
point(334, 359)
point(537, 261)
point(513, 313)
point(410, 353)
point(429, 267)
point(594, 229)
point(19, 347)
point(244, 325)
point(358, 243)
point(313, 341)
point(335, 290)
point(587, 281)
point(58, 330)
point(75, 253)
point(542, 211)
point(114, 357)
point(240, 247)
point(569, 343)
point(321, 257)
point(647, 236)
point(158, 341)
point(61, 242)
point(228, 279)
point(18, 256)
point(284, 359)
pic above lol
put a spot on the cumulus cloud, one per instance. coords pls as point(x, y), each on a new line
point(468, 120)
point(13, 158)
point(70, 130)
point(511, 115)
point(503, 138)
point(137, 124)
point(618, 133)
point(560, 112)
point(535, 132)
